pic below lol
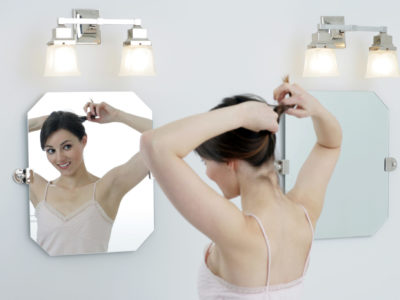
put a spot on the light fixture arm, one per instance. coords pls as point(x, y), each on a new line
point(381, 29)
point(332, 29)
point(86, 26)
point(98, 21)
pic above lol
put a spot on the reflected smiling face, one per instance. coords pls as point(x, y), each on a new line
point(64, 151)
point(224, 175)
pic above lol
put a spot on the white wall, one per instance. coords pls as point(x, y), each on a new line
point(204, 50)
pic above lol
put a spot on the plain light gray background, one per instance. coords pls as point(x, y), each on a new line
point(204, 50)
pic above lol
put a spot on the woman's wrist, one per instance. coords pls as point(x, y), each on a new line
point(241, 112)
point(36, 123)
point(327, 129)
point(319, 111)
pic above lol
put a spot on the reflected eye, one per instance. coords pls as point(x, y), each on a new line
point(50, 151)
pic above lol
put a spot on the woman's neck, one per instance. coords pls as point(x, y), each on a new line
point(80, 178)
point(258, 193)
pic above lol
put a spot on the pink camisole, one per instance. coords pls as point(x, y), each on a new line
point(213, 287)
point(86, 230)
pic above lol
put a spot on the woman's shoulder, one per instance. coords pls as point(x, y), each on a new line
point(37, 188)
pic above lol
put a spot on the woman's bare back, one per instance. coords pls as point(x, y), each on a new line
point(290, 237)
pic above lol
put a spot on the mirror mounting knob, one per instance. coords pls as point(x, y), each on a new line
point(22, 176)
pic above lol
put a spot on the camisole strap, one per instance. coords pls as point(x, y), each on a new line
point(312, 232)
point(94, 190)
point(268, 246)
point(45, 192)
point(309, 220)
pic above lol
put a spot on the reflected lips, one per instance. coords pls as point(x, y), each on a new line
point(64, 166)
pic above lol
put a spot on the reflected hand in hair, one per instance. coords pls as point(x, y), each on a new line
point(104, 112)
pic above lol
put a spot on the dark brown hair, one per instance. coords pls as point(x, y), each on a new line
point(62, 120)
point(252, 147)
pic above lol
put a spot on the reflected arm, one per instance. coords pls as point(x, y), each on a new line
point(36, 123)
point(138, 123)
point(129, 174)
point(121, 179)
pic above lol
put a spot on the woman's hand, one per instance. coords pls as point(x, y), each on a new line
point(305, 105)
point(100, 112)
point(259, 116)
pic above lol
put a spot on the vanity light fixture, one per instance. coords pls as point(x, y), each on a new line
point(320, 58)
point(61, 58)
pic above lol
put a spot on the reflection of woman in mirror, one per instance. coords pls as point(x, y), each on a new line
point(76, 211)
point(263, 250)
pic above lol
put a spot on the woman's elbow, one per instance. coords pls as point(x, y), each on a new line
point(146, 143)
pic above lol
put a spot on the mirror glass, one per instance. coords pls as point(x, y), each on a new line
point(357, 199)
point(60, 217)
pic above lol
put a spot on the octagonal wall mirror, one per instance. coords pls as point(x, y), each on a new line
point(89, 194)
point(357, 199)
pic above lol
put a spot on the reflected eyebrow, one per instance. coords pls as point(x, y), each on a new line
point(60, 144)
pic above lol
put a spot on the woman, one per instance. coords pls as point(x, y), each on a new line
point(262, 251)
point(76, 211)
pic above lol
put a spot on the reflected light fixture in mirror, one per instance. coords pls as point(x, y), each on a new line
point(382, 58)
point(137, 53)
point(61, 59)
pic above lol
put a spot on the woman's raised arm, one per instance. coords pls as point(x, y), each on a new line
point(164, 148)
point(36, 123)
point(313, 178)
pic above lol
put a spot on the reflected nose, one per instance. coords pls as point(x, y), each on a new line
point(60, 157)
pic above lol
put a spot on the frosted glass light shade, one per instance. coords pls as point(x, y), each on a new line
point(137, 60)
point(382, 63)
point(61, 60)
point(320, 62)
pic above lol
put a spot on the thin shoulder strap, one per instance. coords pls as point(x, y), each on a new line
point(268, 246)
point(312, 231)
point(309, 220)
point(94, 190)
point(45, 192)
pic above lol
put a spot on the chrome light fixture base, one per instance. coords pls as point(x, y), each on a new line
point(87, 34)
point(137, 35)
point(329, 38)
point(62, 35)
point(382, 41)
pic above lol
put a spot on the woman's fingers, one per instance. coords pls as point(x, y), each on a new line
point(274, 126)
point(300, 113)
point(281, 91)
point(101, 106)
point(294, 100)
point(85, 107)
point(93, 109)
point(90, 110)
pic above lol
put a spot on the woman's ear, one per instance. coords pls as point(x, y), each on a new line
point(84, 140)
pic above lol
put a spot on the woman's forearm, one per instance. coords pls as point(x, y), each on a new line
point(327, 129)
point(138, 123)
point(36, 123)
point(182, 136)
